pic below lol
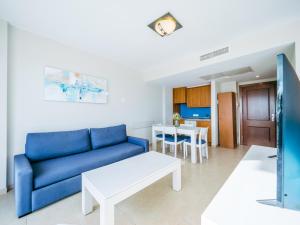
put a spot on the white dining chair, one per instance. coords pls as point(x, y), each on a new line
point(186, 125)
point(204, 143)
point(159, 135)
point(201, 144)
point(171, 138)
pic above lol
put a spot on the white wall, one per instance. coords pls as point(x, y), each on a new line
point(130, 101)
point(3, 105)
point(229, 86)
point(164, 99)
point(168, 105)
point(214, 113)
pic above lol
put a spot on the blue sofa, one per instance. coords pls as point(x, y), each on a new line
point(53, 162)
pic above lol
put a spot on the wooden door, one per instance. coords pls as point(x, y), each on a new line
point(258, 114)
point(227, 119)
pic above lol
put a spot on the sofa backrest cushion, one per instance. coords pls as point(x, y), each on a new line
point(42, 146)
point(101, 137)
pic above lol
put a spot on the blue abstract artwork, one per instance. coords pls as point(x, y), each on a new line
point(62, 85)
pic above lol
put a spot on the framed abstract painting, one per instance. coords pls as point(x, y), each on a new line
point(62, 85)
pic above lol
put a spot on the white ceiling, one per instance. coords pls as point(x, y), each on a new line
point(262, 64)
point(118, 30)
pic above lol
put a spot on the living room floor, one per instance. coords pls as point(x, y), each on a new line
point(157, 204)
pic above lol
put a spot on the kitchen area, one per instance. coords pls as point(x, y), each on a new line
point(194, 106)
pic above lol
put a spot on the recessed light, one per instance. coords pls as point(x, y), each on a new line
point(257, 76)
point(165, 25)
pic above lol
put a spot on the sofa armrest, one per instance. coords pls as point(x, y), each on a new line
point(139, 141)
point(23, 184)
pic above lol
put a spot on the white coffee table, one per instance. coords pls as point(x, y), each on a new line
point(111, 184)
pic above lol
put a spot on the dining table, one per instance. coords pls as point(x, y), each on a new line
point(181, 130)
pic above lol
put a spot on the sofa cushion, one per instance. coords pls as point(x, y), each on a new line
point(101, 137)
point(54, 170)
point(42, 146)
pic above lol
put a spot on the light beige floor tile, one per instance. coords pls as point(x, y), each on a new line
point(8, 212)
point(158, 204)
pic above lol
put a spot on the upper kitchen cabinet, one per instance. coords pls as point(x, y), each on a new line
point(199, 96)
point(179, 95)
point(193, 97)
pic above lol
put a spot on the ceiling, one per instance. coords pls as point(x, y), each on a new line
point(241, 69)
point(117, 30)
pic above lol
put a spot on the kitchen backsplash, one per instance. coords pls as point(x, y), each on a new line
point(186, 112)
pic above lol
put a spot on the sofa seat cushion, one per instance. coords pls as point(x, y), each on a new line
point(55, 170)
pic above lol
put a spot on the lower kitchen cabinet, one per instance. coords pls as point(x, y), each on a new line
point(206, 124)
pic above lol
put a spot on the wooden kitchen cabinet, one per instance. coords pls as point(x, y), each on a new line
point(199, 96)
point(193, 97)
point(179, 95)
point(205, 96)
point(206, 123)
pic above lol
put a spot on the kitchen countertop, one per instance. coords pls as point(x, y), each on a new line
point(197, 119)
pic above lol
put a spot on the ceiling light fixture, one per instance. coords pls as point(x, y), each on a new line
point(257, 76)
point(165, 25)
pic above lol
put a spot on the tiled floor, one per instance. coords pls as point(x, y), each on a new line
point(155, 205)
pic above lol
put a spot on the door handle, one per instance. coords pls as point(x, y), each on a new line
point(273, 117)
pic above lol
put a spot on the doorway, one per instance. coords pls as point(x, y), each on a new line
point(258, 118)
